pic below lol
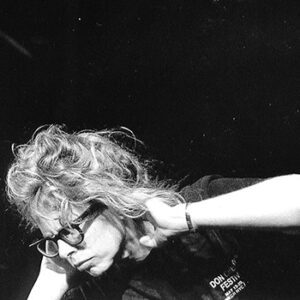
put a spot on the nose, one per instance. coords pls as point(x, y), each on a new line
point(65, 250)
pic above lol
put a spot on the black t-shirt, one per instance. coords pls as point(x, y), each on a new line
point(207, 264)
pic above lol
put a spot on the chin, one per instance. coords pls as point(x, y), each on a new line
point(95, 272)
point(98, 270)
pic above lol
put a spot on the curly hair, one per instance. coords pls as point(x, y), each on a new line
point(56, 170)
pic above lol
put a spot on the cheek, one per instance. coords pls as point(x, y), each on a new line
point(103, 239)
point(102, 247)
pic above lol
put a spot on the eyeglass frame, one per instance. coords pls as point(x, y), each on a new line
point(95, 206)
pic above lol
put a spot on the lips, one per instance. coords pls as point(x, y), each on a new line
point(82, 265)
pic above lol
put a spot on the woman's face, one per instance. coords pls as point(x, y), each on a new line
point(104, 240)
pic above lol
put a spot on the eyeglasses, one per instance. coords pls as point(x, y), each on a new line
point(72, 234)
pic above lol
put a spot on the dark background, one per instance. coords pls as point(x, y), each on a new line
point(209, 86)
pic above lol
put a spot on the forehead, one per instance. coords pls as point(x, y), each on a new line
point(51, 223)
point(49, 208)
point(48, 227)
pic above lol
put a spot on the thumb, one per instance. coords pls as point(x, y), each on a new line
point(156, 239)
point(148, 241)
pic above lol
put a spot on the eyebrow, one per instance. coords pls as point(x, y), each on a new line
point(94, 207)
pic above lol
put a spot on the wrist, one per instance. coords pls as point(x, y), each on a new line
point(179, 217)
point(188, 218)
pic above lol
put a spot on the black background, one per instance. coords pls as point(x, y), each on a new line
point(209, 86)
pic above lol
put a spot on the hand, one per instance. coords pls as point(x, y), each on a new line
point(167, 220)
point(53, 280)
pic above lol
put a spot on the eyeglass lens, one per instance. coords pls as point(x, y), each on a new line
point(72, 236)
point(48, 248)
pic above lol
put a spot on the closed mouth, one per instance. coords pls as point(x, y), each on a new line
point(81, 266)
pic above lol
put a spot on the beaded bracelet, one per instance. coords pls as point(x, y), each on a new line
point(188, 218)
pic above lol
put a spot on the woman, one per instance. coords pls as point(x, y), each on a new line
point(101, 213)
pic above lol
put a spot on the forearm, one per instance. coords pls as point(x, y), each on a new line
point(49, 286)
point(272, 203)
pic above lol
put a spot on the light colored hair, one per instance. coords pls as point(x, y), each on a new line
point(56, 170)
